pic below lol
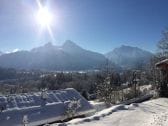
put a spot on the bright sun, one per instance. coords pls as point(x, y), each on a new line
point(44, 17)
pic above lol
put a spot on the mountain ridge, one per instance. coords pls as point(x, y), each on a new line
point(69, 56)
point(129, 57)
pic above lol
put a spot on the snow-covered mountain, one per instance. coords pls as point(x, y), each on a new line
point(129, 57)
point(69, 56)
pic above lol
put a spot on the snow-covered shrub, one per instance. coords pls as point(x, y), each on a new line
point(105, 91)
point(25, 120)
point(71, 107)
point(44, 94)
point(44, 97)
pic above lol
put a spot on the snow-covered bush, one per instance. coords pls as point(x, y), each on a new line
point(105, 91)
point(25, 120)
point(71, 107)
point(44, 97)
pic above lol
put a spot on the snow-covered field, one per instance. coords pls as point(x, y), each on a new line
point(149, 113)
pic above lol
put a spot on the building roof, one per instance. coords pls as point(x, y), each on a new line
point(162, 64)
point(41, 108)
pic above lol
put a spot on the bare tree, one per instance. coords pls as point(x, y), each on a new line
point(163, 45)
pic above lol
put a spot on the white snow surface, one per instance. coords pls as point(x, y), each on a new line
point(149, 113)
point(40, 107)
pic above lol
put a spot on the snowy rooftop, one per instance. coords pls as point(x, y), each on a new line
point(40, 107)
point(163, 62)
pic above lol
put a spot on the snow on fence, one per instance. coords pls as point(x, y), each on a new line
point(32, 109)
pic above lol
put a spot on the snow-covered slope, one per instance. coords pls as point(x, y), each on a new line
point(150, 113)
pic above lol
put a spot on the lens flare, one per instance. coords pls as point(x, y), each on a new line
point(44, 17)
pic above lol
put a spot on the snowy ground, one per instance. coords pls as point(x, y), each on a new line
point(150, 113)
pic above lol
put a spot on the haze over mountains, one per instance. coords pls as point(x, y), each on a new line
point(70, 56)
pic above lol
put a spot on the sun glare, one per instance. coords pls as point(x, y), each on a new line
point(44, 17)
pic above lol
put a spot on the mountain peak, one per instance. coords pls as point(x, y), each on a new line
point(128, 47)
point(125, 46)
point(69, 43)
point(71, 46)
point(45, 48)
point(49, 44)
point(129, 57)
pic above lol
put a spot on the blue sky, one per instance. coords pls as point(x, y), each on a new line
point(98, 25)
